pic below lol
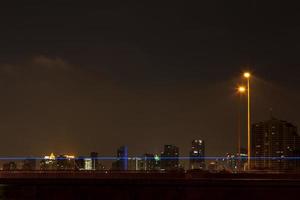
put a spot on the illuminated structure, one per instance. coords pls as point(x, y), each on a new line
point(274, 141)
point(62, 162)
point(197, 155)
point(65, 162)
point(48, 163)
point(150, 162)
point(88, 164)
point(234, 162)
point(169, 158)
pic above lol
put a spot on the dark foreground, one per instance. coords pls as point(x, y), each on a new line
point(131, 186)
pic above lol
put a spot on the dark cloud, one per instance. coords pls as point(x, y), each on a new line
point(51, 63)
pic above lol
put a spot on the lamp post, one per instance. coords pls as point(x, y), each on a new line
point(241, 90)
point(247, 75)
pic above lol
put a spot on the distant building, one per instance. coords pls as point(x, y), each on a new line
point(10, 166)
point(272, 142)
point(29, 164)
point(122, 159)
point(169, 158)
point(94, 157)
point(65, 162)
point(49, 162)
point(61, 162)
point(213, 166)
point(241, 160)
point(234, 162)
point(88, 164)
point(197, 155)
point(79, 163)
point(150, 162)
point(134, 163)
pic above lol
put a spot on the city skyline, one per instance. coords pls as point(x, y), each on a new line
point(197, 148)
point(275, 146)
point(149, 100)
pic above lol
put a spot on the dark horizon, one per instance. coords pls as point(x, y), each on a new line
point(78, 77)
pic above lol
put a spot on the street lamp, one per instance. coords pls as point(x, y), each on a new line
point(247, 75)
point(241, 90)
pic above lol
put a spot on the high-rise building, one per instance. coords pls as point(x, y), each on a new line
point(79, 163)
point(134, 163)
point(65, 162)
point(272, 143)
point(197, 155)
point(122, 159)
point(150, 162)
point(94, 157)
point(49, 162)
point(233, 162)
point(10, 166)
point(61, 162)
point(29, 164)
point(88, 164)
point(169, 158)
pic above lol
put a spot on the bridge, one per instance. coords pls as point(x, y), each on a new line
point(136, 185)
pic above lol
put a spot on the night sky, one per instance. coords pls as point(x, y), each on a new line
point(85, 76)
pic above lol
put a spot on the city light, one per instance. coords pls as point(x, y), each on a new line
point(241, 89)
point(247, 75)
point(70, 156)
point(156, 158)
